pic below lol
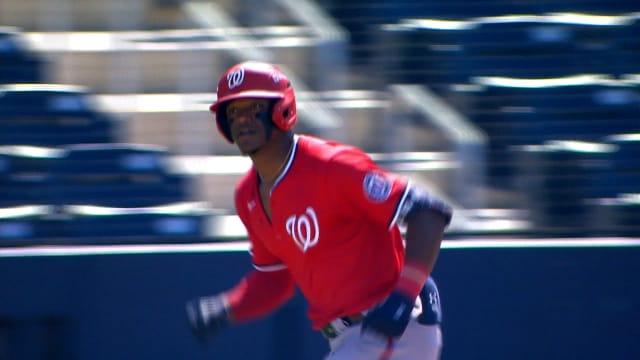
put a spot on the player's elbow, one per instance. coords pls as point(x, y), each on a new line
point(282, 284)
point(427, 222)
point(420, 207)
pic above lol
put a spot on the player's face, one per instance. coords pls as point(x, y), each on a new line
point(245, 118)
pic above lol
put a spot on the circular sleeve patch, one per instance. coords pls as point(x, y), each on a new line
point(377, 188)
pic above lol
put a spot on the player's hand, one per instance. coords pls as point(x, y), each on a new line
point(207, 316)
point(391, 317)
point(431, 308)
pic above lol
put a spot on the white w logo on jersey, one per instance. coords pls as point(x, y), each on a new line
point(304, 229)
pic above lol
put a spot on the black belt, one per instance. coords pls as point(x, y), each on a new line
point(333, 329)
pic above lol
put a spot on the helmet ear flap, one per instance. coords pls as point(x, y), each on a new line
point(284, 111)
point(221, 121)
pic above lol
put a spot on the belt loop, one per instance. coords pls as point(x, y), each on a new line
point(337, 326)
point(340, 324)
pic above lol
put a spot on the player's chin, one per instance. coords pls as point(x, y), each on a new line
point(247, 147)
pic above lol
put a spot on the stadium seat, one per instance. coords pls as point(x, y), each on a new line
point(543, 46)
point(423, 51)
point(114, 159)
point(19, 224)
point(52, 115)
point(625, 162)
point(620, 214)
point(117, 175)
point(18, 63)
point(515, 112)
point(627, 211)
point(560, 181)
point(539, 65)
point(25, 175)
point(627, 60)
point(178, 221)
point(588, 111)
point(572, 108)
point(611, 7)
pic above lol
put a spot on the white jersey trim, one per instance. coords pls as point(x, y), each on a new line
point(270, 268)
point(288, 165)
point(400, 205)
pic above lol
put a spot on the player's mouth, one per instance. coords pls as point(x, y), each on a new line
point(245, 133)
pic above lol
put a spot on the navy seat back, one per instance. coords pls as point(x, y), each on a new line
point(117, 175)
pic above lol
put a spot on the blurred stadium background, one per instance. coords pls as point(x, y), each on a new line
point(524, 114)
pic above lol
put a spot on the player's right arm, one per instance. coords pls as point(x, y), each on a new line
point(258, 293)
point(265, 288)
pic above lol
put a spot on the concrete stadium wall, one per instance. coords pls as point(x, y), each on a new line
point(545, 301)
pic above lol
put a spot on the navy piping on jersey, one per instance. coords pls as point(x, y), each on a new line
point(417, 199)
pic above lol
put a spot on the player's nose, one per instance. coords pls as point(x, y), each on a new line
point(240, 118)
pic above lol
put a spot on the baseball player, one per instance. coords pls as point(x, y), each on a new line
point(323, 216)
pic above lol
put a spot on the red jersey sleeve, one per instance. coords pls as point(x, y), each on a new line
point(364, 188)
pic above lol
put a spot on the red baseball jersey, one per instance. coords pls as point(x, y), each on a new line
point(333, 226)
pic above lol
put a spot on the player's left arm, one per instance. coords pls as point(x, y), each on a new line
point(426, 218)
point(390, 199)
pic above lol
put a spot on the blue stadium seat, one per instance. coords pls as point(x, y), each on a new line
point(456, 9)
point(18, 224)
point(610, 7)
point(153, 224)
point(589, 111)
point(95, 192)
point(571, 108)
point(444, 9)
point(18, 62)
point(114, 158)
point(560, 181)
point(17, 192)
point(423, 51)
point(627, 60)
point(625, 162)
point(622, 215)
point(436, 52)
point(540, 65)
point(125, 192)
point(627, 211)
point(515, 112)
point(52, 115)
point(25, 174)
point(117, 175)
point(551, 45)
point(48, 130)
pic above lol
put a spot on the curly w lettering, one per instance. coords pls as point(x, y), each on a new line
point(304, 229)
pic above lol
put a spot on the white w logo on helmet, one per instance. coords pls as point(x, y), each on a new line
point(235, 78)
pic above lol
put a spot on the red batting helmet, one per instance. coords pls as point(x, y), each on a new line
point(256, 80)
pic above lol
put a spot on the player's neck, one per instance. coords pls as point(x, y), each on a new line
point(271, 160)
